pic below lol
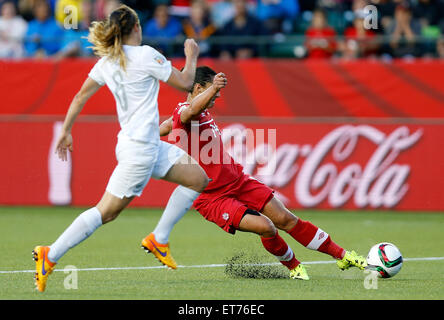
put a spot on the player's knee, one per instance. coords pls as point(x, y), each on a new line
point(286, 221)
point(204, 183)
point(290, 222)
point(109, 215)
point(268, 229)
point(200, 183)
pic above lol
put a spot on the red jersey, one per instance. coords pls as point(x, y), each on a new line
point(320, 42)
point(364, 41)
point(201, 138)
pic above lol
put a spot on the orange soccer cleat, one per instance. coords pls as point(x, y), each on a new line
point(160, 251)
point(43, 267)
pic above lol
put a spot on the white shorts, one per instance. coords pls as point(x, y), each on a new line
point(137, 163)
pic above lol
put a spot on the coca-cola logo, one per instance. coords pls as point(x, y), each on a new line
point(379, 182)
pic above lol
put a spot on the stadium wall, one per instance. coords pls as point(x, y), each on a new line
point(341, 135)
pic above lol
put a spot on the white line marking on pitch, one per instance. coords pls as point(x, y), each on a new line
point(205, 266)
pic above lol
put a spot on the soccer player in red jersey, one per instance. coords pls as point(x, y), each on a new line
point(233, 200)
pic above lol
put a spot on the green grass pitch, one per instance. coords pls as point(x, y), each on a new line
point(200, 248)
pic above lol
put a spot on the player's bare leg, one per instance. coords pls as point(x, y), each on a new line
point(282, 218)
point(259, 224)
point(111, 206)
point(188, 173)
point(253, 221)
point(192, 180)
point(310, 236)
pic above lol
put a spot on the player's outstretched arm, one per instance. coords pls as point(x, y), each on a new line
point(64, 142)
point(183, 80)
point(201, 101)
point(166, 127)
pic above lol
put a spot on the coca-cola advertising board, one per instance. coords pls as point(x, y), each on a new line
point(322, 165)
point(360, 165)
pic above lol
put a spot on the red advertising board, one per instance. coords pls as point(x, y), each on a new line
point(309, 164)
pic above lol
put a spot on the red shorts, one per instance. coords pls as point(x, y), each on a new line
point(226, 206)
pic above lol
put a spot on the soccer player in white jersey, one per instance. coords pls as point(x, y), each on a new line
point(132, 73)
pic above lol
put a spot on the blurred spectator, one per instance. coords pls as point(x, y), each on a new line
point(75, 43)
point(440, 48)
point(44, 36)
point(67, 9)
point(198, 25)
point(320, 37)
point(425, 12)
point(179, 8)
point(403, 32)
point(222, 11)
point(110, 6)
point(243, 24)
point(411, 27)
point(99, 6)
point(163, 27)
point(12, 31)
point(358, 7)
point(386, 12)
point(103, 8)
point(358, 41)
point(278, 15)
point(25, 9)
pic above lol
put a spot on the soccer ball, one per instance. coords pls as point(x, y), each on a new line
point(385, 259)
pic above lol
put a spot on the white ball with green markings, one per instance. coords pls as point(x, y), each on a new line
point(385, 259)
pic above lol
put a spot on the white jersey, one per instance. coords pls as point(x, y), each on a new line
point(135, 90)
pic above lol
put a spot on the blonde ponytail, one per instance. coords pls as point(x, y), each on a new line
point(107, 35)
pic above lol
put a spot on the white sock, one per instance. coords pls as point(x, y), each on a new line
point(81, 228)
point(179, 203)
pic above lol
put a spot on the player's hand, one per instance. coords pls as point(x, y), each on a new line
point(191, 48)
point(219, 81)
point(64, 143)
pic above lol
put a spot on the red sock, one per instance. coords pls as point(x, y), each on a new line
point(279, 248)
point(331, 248)
point(315, 238)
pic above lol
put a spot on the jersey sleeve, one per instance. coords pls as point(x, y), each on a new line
point(180, 131)
point(177, 122)
point(96, 73)
point(156, 64)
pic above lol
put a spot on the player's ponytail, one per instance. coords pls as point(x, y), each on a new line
point(107, 36)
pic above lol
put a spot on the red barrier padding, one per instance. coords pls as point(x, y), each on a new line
point(271, 88)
